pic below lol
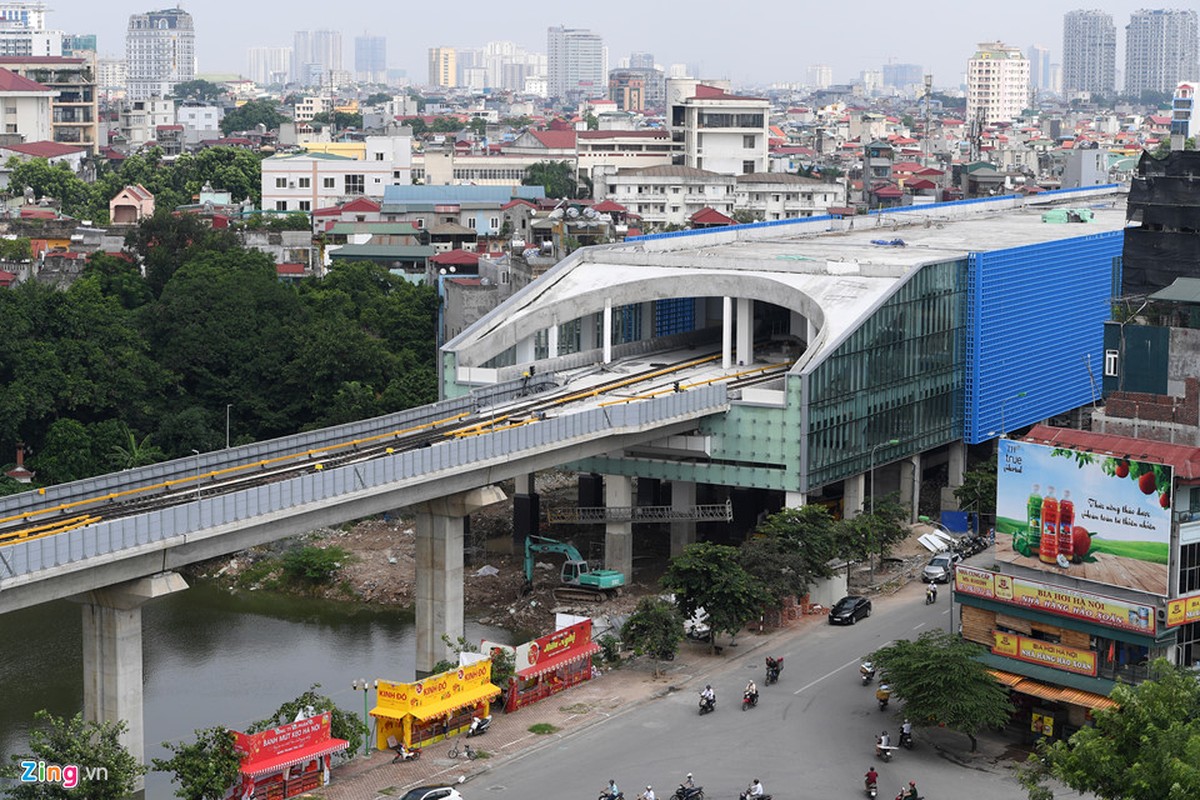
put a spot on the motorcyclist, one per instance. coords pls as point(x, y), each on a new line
point(906, 732)
point(909, 792)
point(754, 790)
point(774, 665)
point(872, 777)
point(933, 591)
point(707, 694)
point(648, 794)
point(688, 783)
point(612, 791)
point(752, 692)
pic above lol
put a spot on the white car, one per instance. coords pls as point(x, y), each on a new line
point(940, 568)
point(432, 793)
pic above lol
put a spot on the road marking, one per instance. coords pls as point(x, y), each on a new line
point(944, 613)
point(917, 628)
point(827, 674)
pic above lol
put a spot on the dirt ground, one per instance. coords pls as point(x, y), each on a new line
point(381, 569)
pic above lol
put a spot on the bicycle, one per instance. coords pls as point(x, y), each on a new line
point(463, 750)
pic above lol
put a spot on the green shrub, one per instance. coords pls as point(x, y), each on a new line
point(313, 565)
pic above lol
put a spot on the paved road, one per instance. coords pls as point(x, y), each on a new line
point(811, 736)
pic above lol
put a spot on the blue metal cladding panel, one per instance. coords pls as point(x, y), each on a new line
point(1035, 331)
point(675, 315)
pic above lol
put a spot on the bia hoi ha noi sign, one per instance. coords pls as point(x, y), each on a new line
point(1084, 515)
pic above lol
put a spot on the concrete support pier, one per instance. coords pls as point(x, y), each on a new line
point(910, 485)
point(854, 495)
point(957, 469)
point(439, 568)
point(794, 499)
point(526, 511)
point(745, 331)
point(618, 536)
point(112, 653)
point(683, 533)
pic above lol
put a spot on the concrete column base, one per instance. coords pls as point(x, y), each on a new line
point(910, 485)
point(112, 653)
point(854, 493)
point(618, 536)
point(439, 571)
point(683, 495)
point(794, 499)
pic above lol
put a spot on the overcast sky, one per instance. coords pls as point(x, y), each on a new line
point(750, 43)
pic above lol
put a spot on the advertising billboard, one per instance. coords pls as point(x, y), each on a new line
point(1083, 606)
point(1084, 515)
point(1047, 654)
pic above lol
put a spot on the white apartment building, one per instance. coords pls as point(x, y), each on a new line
point(719, 131)
point(779, 195)
point(111, 76)
point(267, 66)
point(1089, 54)
point(443, 67)
point(577, 63)
point(1161, 49)
point(25, 107)
point(309, 107)
point(23, 31)
point(200, 123)
point(138, 120)
point(308, 181)
point(997, 83)
point(668, 195)
point(1185, 122)
point(160, 51)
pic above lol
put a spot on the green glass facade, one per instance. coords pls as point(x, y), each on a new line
point(898, 376)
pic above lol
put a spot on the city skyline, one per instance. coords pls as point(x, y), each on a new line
point(780, 52)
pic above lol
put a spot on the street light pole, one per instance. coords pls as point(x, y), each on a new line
point(1003, 403)
point(227, 407)
point(892, 442)
point(365, 687)
point(196, 453)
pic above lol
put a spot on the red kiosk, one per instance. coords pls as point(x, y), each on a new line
point(286, 761)
point(552, 663)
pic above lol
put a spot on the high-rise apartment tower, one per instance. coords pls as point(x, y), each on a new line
point(1089, 53)
point(160, 52)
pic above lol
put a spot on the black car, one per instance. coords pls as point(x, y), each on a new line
point(849, 610)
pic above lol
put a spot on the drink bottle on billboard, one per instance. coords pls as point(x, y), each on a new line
point(1066, 526)
point(1048, 546)
point(1025, 541)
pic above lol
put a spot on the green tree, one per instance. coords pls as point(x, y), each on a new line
point(206, 768)
point(654, 627)
point(18, 249)
point(252, 113)
point(556, 177)
point(708, 576)
point(978, 490)
point(377, 99)
point(744, 216)
point(1147, 748)
point(446, 125)
point(794, 548)
point(133, 452)
point(593, 124)
point(343, 724)
point(942, 682)
point(165, 242)
point(200, 90)
point(57, 181)
point(873, 535)
point(478, 126)
point(91, 746)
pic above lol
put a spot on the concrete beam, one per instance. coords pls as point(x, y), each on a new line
point(439, 570)
point(112, 653)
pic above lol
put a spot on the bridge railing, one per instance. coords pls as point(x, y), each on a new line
point(326, 486)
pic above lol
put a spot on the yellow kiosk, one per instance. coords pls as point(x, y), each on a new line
point(435, 709)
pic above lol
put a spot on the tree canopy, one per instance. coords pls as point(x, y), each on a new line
point(654, 627)
point(343, 724)
point(251, 113)
point(709, 576)
point(556, 177)
point(205, 768)
point(1148, 748)
point(107, 770)
point(793, 548)
point(942, 682)
point(199, 90)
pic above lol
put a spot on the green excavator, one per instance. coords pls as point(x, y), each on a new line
point(579, 580)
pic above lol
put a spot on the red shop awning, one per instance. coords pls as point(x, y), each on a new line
point(270, 764)
point(551, 664)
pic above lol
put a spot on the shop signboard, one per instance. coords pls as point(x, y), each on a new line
point(1082, 515)
point(552, 645)
point(285, 739)
point(1046, 654)
point(393, 696)
point(1183, 611)
point(1064, 602)
point(437, 691)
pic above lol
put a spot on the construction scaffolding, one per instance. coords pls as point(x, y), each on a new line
point(589, 515)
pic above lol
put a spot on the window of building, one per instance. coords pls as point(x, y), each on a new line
point(281, 205)
point(420, 223)
point(1112, 360)
point(748, 141)
point(329, 183)
point(355, 184)
point(304, 183)
point(471, 223)
point(494, 223)
point(305, 205)
point(747, 167)
point(675, 190)
point(379, 156)
point(281, 183)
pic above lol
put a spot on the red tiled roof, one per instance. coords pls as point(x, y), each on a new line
point(12, 82)
point(38, 213)
point(44, 149)
point(906, 166)
point(929, 171)
point(289, 269)
point(458, 258)
point(710, 216)
point(555, 140)
point(1185, 460)
point(516, 202)
point(40, 60)
point(607, 206)
point(706, 92)
point(168, 127)
point(361, 204)
point(921, 183)
point(887, 191)
point(467, 281)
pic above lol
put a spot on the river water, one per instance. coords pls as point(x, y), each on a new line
point(210, 657)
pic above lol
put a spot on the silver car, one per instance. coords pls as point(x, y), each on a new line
point(940, 568)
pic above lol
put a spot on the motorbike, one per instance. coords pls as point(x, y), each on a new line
point(905, 795)
point(884, 751)
point(906, 740)
point(404, 754)
point(479, 725)
point(872, 789)
point(883, 694)
point(604, 795)
point(749, 700)
point(686, 793)
point(930, 595)
point(774, 667)
point(707, 704)
point(867, 670)
point(746, 796)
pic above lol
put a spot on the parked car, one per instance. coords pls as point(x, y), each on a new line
point(940, 568)
point(849, 610)
point(433, 793)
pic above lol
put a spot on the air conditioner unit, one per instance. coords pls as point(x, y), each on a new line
point(291, 184)
point(1161, 616)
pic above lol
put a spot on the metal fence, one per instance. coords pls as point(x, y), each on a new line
point(329, 487)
